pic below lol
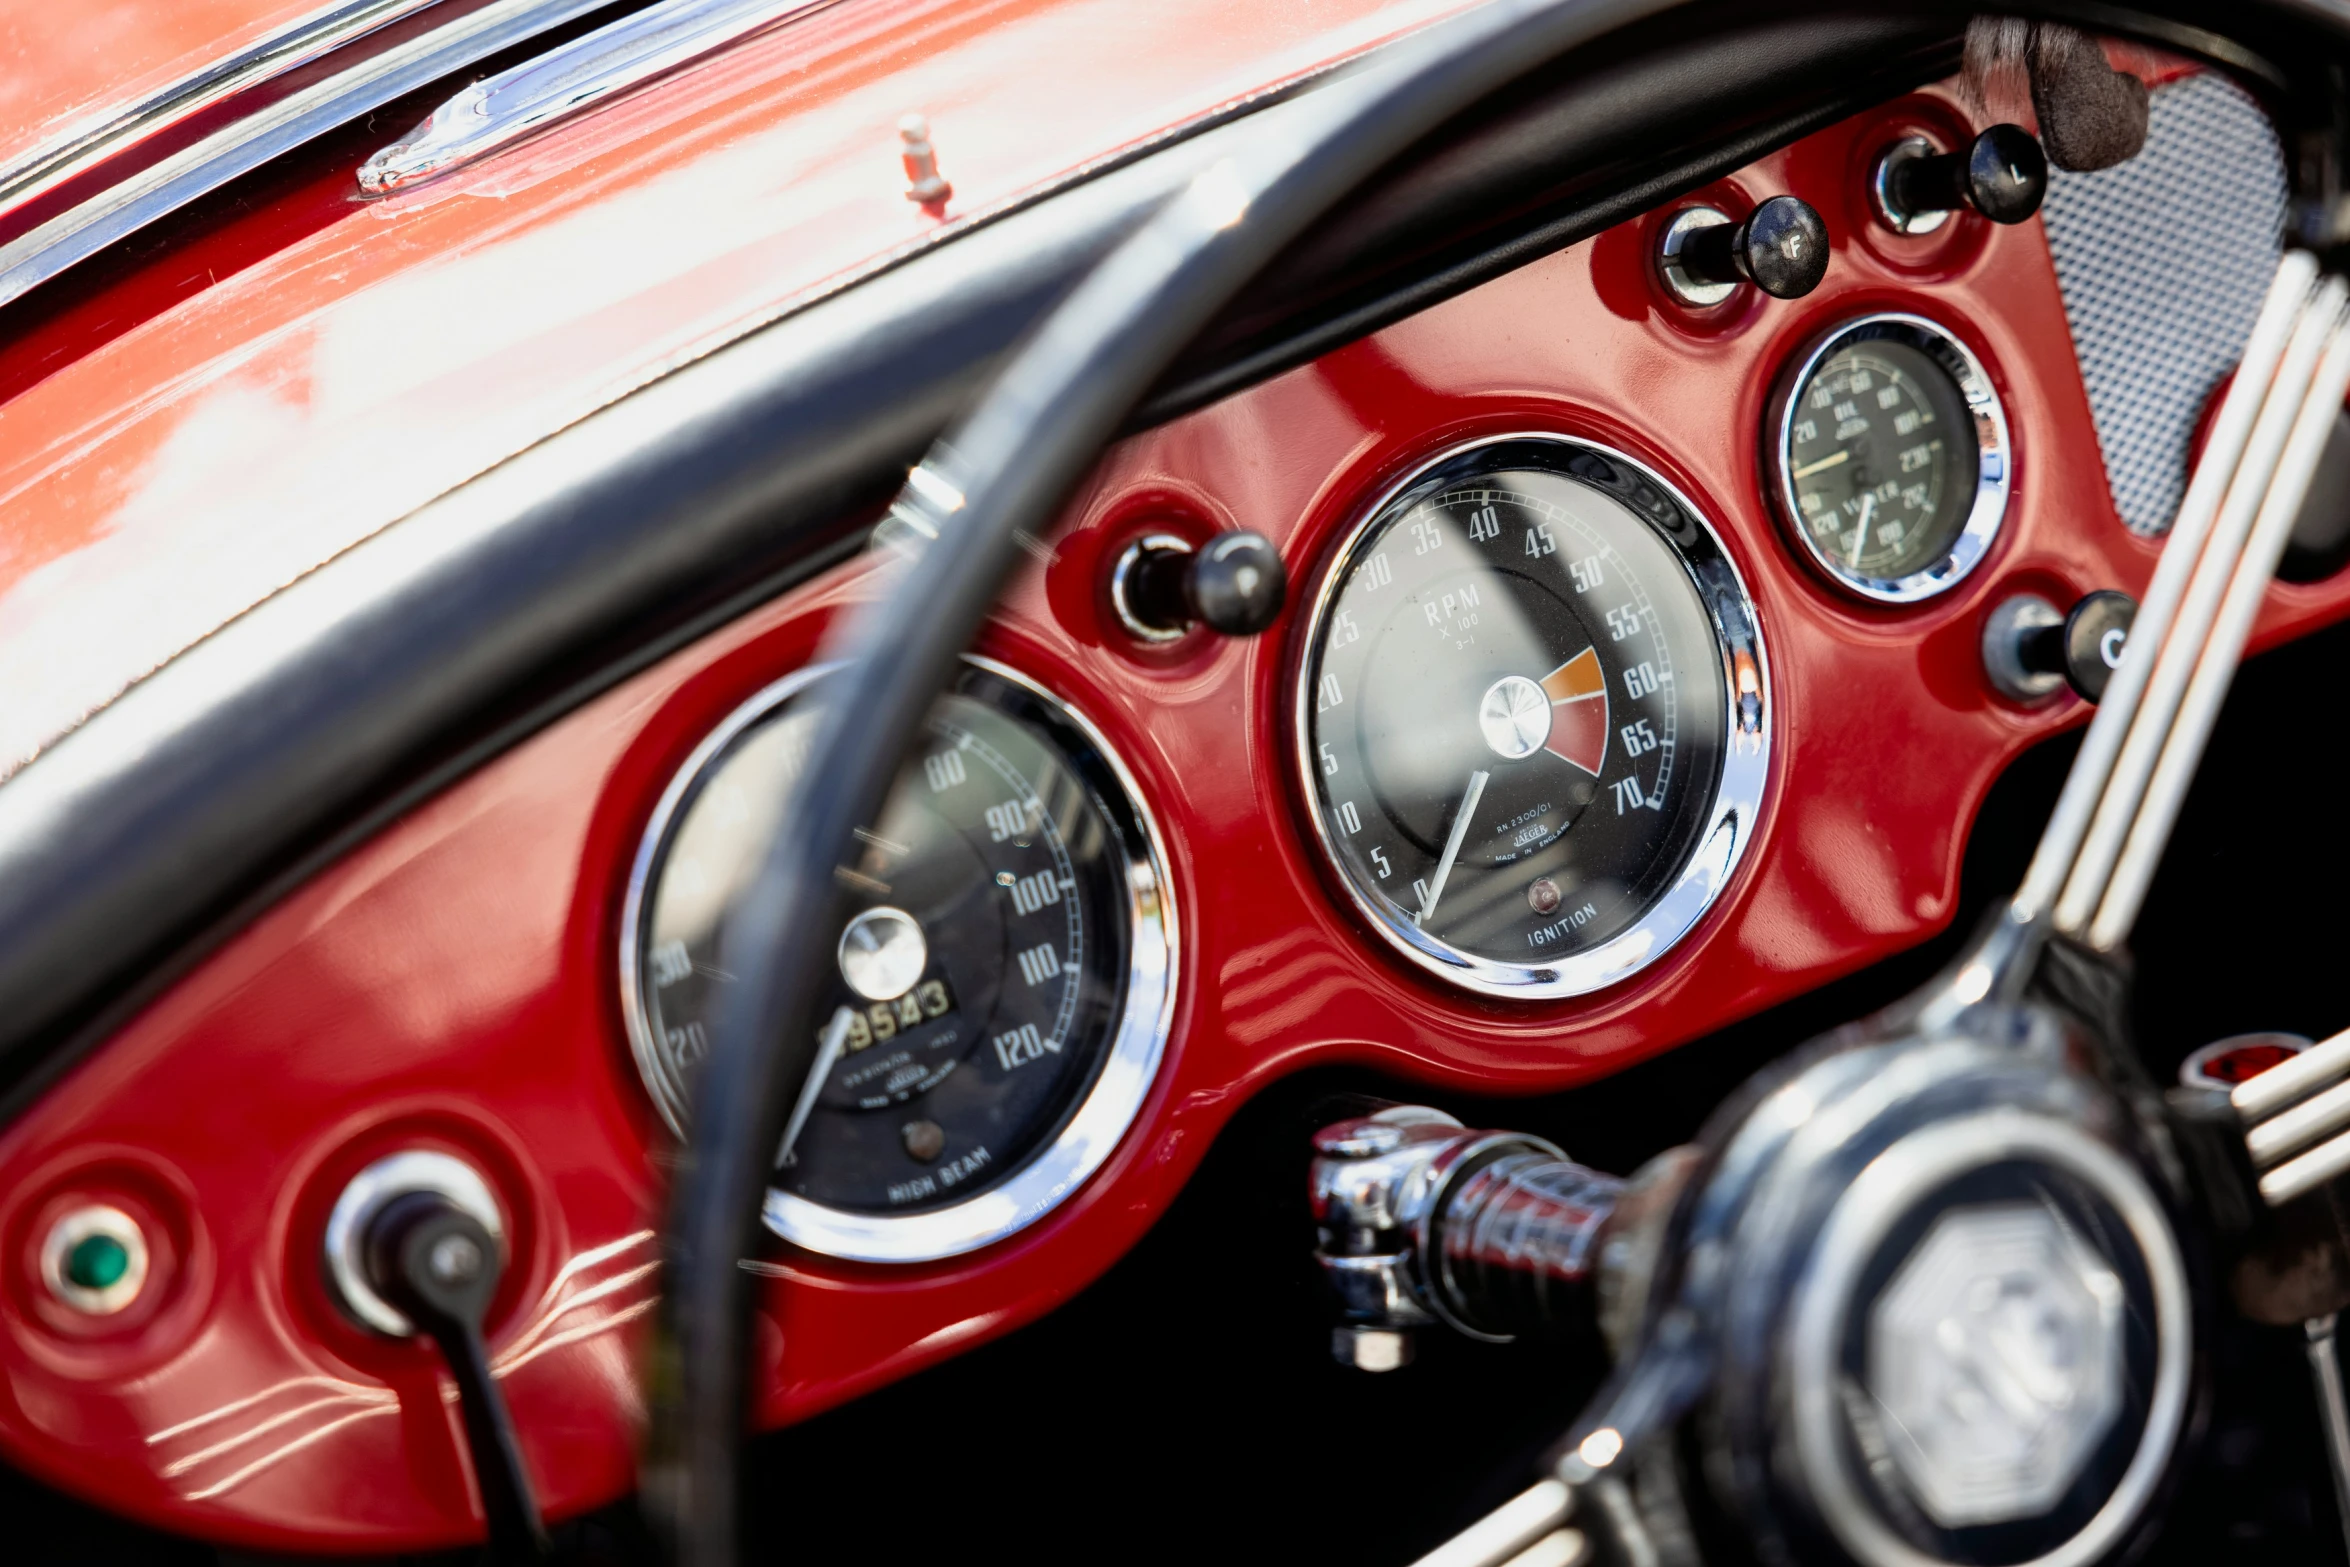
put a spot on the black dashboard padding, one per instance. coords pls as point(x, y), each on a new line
point(139, 840)
point(1576, 151)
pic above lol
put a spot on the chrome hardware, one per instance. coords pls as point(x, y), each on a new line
point(94, 1260)
point(2001, 174)
point(2029, 650)
point(1781, 248)
point(247, 141)
point(2295, 1115)
point(1683, 284)
point(1891, 211)
point(1124, 579)
point(1832, 1266)
point(415, 1172)
point(1529, 1529)
point(565, 82)
point(1422, 1220)
point(923, 184)
point(2333, 1409)
point(1234, 584)
point(2090, 873)
point(2004, 637)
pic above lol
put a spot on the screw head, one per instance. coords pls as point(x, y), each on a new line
point(454, 1259)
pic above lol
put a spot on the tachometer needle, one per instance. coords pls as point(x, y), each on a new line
point(836, 1034)
point(1810, 468)
point(1452, 845)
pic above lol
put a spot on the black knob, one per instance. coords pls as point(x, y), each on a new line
point(439, 1265)
point(2002, 174)
point(1781, 248)
point(2086, 646)
point(1234, 584)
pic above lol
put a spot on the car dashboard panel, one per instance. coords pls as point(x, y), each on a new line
point(505, 974)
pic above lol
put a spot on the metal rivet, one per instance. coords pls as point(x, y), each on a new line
point(95, 1260)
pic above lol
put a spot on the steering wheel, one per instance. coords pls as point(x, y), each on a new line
point(2006, 1025)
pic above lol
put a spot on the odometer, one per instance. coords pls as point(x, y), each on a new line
point(999, 990)
point(1889, 452)
point(1532, 717)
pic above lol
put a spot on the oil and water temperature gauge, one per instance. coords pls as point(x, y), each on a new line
point(1889, 454)
point(1533, 718)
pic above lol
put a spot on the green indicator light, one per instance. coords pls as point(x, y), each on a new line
point(97, 1262)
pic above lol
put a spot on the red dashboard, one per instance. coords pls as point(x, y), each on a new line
point(451, 983)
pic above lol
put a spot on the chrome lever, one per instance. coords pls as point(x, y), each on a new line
point(1424, 1221)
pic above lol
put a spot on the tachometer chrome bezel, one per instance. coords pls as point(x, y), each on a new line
point(1994, 457)
point(1732, 818)
point(1112, 1103)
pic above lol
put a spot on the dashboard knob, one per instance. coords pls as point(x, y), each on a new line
point(414, 1247)
point(439, 1264)
point(2029, 649)
point(1781, 248)
point(1235, 585)
point(2001, 174)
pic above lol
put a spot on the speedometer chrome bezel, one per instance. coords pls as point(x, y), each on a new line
point(1113, 1102)
point(1994, 456)
point(1731, 821)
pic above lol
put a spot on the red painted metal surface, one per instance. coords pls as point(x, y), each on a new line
point(273, 387)
point(451, 983)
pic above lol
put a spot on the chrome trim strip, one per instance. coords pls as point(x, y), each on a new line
point(239, 148)
point(1994, 457)
point(115, 131)
point(1138, 1044)
point(538, 94)
point(1732, 820)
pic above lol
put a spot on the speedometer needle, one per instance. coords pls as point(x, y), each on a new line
point(836, 1034)
point(1452, 845)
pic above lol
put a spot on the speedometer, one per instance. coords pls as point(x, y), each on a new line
point(1890, 454)
point(1532, 718)
point(999, 991)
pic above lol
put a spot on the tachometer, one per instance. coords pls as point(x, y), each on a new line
point(1532, 717)
point(1000, 992)
point(1889, 455)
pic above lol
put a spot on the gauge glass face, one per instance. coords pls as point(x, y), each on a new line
point(983, 969)
point(1881, 453)
point(1514, 713)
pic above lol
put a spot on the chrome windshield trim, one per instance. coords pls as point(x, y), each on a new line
point(539, 94)
point(116, 130)
point(140, 198)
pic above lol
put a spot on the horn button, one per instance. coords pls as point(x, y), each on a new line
point(1996, 1358)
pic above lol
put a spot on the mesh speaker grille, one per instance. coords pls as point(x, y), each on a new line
point(2163, 262)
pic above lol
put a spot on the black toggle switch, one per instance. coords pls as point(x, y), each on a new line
point(439, 1265)
point(2029, 649)
point(1234, 584)
point(2001, 174)
point(1781, 248)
